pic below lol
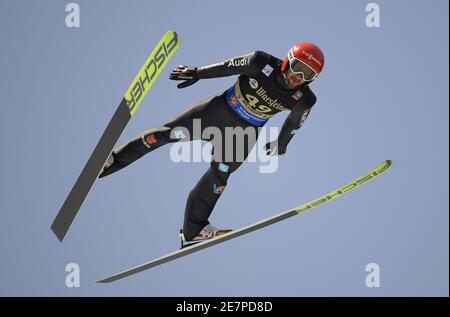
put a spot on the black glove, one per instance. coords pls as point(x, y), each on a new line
point(274, 148)
point(183, 72)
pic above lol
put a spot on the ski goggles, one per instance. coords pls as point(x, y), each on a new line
point(299, 67)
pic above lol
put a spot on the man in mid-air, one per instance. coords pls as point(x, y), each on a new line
point(266, 85)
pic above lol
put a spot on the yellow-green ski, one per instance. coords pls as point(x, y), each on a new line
point(133, 97)
point(383, 167)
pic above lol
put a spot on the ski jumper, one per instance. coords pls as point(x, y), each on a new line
point(259, 93)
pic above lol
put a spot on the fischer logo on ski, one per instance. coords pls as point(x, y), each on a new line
point(151, 69)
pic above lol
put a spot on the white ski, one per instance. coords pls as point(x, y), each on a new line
point(261, 224)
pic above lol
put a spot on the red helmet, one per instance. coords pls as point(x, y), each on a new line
point(306, 59)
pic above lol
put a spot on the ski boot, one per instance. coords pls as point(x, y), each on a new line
point(108, 163)
point(208, 232)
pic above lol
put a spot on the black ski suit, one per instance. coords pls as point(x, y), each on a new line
point(259, 92)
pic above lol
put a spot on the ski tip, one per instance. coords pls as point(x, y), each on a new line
point(173, 31)
point(388, 164)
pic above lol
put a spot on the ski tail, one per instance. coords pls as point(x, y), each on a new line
point(133, 97)
point(90, 172)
